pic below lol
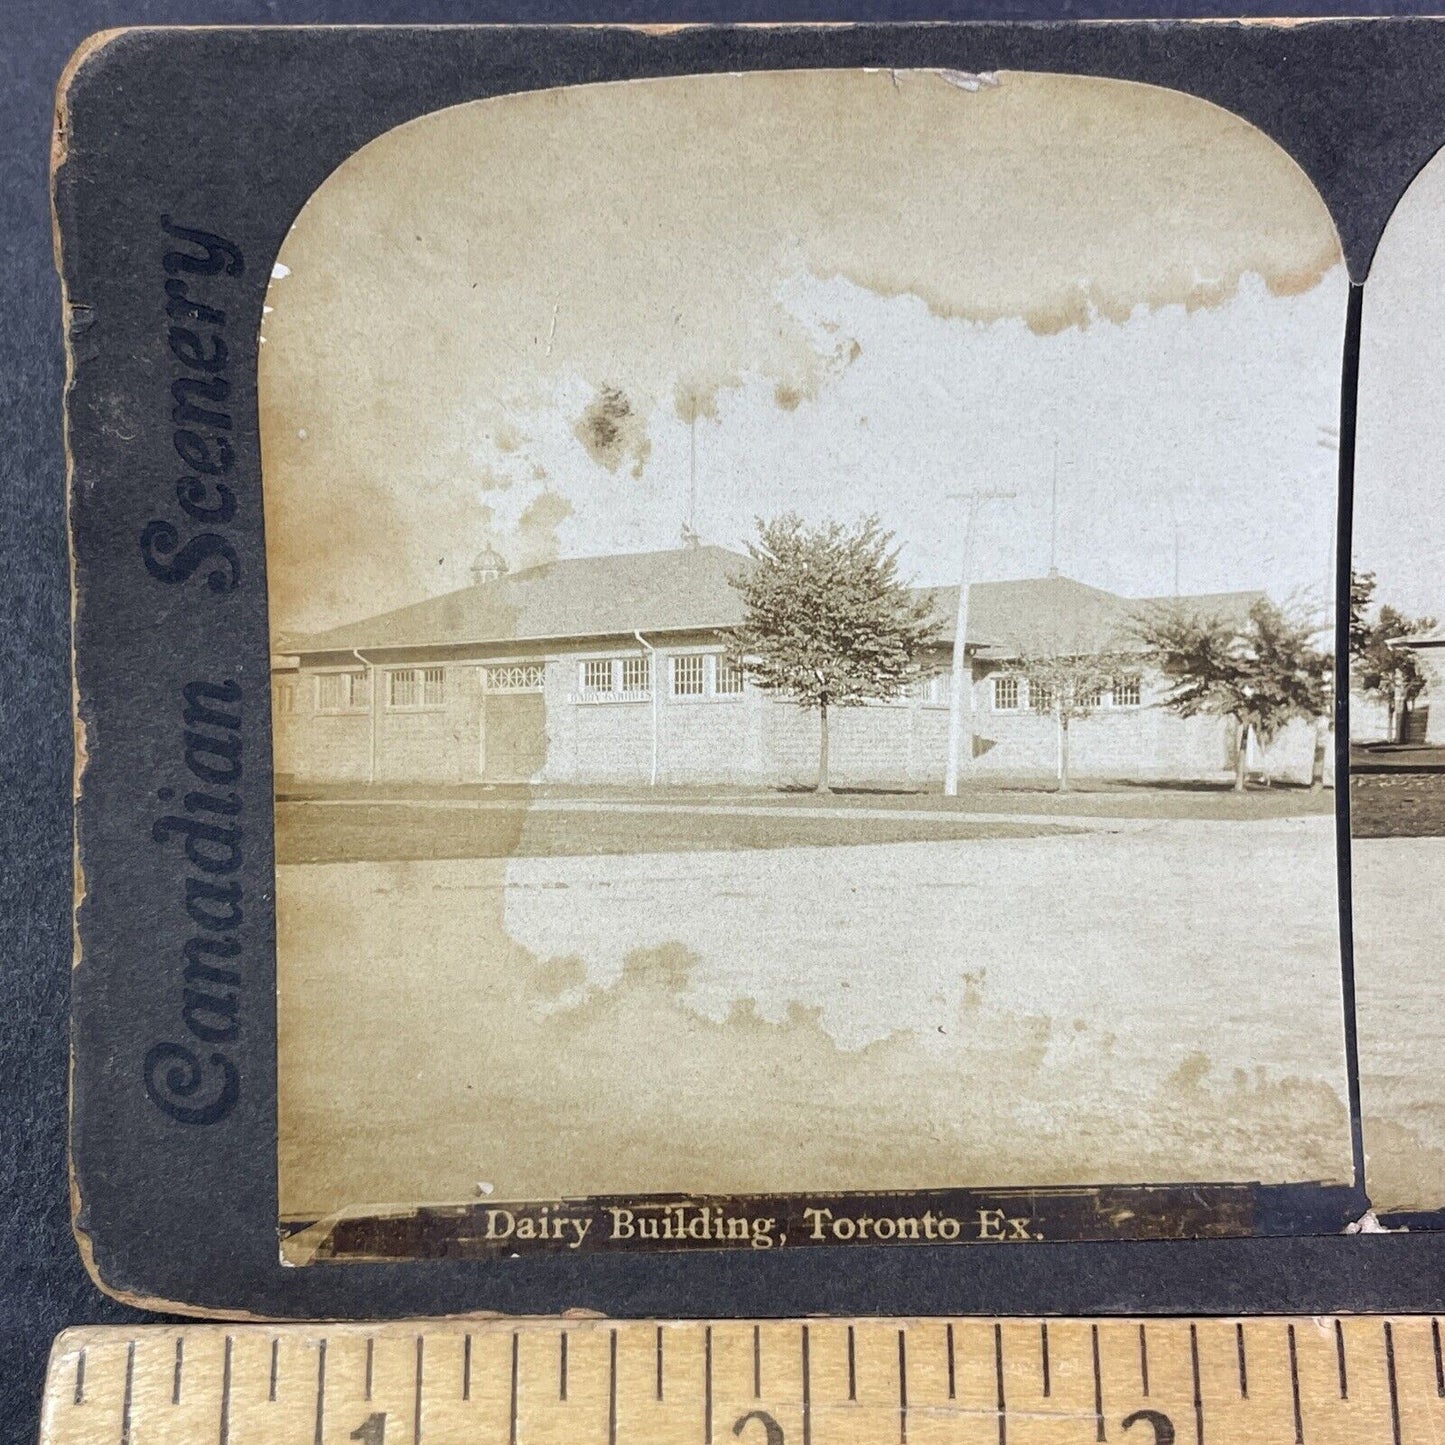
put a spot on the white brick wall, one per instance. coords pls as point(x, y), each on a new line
point(754, 738)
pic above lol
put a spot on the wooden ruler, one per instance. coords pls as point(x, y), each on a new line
point(1323, 1381)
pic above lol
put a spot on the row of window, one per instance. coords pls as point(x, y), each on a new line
point(1018, 694)
point(629, 679)
point(405, 689)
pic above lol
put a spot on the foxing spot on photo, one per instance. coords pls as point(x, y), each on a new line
point(802, 615)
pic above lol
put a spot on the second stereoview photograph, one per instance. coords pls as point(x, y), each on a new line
point(802, 621)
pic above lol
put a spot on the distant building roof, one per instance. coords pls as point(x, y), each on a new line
point(687, 590)
point(1435, 637)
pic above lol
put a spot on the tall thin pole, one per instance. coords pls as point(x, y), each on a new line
point(1054, 516)
point(692, 477)
point(959, 693)
point(656, 694)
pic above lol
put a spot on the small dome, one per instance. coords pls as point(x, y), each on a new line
point(490, 565)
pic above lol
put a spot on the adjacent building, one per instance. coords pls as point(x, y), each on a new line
point(1420, 723)
point(614, 670)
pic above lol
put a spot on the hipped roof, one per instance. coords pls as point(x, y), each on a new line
point(688, 590)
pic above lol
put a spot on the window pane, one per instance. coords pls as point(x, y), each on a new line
point(636, 674)
point(1005, 694)
point(433, 687)
point(597, 675)
point(729, 678)
point(1127, 692)
point(515, 677)
point(1041, 697)
point(404, 688)
point(687, 676)
point(358, 689)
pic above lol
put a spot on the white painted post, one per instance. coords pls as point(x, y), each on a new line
point(958, 682)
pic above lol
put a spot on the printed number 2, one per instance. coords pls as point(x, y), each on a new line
point(1162, 1425)
point(371, 1431)
point(773, 1430)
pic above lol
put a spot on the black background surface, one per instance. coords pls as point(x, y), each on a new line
point(42, 1284)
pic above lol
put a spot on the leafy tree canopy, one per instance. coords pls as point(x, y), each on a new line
point(1381, 667)
point(827, 620)
point(1262, 672)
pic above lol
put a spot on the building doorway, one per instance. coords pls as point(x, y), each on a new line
point(514, 736)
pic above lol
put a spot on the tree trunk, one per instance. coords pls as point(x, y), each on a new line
point(1063, 753)
point(1317, 766)
point(823, 786)
point(1241, 757)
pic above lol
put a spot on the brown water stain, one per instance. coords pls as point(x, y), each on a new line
point(613, 432)
point(488, 1062)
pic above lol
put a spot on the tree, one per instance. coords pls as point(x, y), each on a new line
point(1362, 595)
point(1382, 668)
point(826, 620)
point(1261, 674)
point(1068, 684)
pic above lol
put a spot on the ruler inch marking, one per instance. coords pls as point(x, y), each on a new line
point(1099, 1434)
point(1299, 1424)
point(1198, 1396)
point(852, 1368)
point(1393, 1383)
point(807, 1393)
point(223, 1433)
point(320, 1392)
point(659, 1362)
point(125, 1404)
point(1002, 1404)
point(902, 1388)
point(512, 1406)
point(210, 1384)
point(611, 1390)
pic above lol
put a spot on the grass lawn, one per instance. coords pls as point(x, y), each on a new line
point(346, 823)
point(1397, 804)
point(308, 833)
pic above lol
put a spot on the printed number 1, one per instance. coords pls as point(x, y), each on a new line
point(371, 1431)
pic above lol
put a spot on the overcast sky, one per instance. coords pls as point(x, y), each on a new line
point(1399, 529)
point(860, 291)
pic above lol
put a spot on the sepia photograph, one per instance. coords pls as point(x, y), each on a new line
point(802, 618)
point(1397, 706)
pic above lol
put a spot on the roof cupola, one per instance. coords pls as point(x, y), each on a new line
point(489, 565)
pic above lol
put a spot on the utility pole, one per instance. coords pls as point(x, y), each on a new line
point(689, 527)
point(972, 500)
point(1054, 516)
